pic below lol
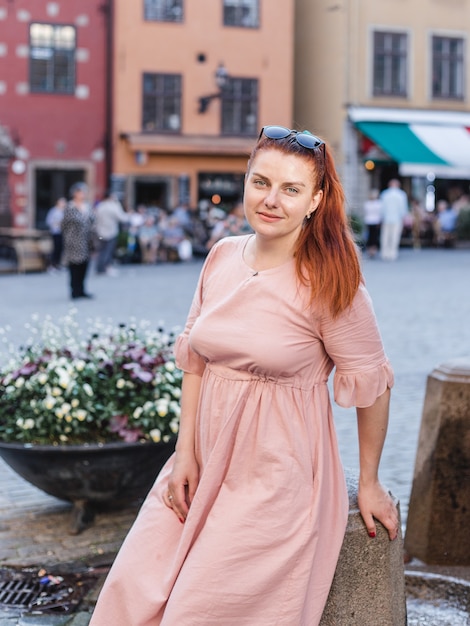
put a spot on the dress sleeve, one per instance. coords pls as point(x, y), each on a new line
point(186, 358)
point(353, 342)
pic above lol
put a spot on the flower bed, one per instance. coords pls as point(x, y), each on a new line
point(110, 382)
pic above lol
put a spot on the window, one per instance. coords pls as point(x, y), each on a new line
point(244, 13)
point(390, 59)
point(162, 103)
point(52, 58)
point(447, 67)
point(240, 107)
point(163, 10)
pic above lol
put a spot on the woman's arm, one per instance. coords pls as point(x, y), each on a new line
point(184, 477)
point(373, 499)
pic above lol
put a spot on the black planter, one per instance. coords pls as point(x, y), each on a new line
point(91, 476)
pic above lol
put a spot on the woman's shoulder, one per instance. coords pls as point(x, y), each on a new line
point(225, 251)
point(230, 245)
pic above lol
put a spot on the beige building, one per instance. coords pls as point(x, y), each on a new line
point(387, 82)
point(193, 82)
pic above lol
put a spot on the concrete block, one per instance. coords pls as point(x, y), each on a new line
point(369, 583)
point(439, 509)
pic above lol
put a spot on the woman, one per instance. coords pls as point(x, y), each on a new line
point(245, 522)
point(372, 220)
point(77, 239)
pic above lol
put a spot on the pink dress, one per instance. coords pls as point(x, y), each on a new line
point(262, 538)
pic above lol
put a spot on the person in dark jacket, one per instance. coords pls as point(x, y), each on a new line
point(77, 237)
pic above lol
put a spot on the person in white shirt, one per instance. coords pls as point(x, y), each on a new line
point(54, 219)
point(109, 214)
point(372, 220)
point(394, 209)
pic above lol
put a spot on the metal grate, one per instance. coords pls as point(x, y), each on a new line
point(19, 593)
point(43, 593)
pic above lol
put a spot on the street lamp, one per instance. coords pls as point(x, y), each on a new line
point(221, 79)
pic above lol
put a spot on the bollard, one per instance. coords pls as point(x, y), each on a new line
point(439, 509)
point(369, 583)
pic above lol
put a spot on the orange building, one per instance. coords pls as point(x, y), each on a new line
point(193, 82)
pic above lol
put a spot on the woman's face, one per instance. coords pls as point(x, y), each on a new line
point(279, 194)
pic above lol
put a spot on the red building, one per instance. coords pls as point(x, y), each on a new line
point(54, 104)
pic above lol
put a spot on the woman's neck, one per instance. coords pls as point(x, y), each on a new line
point(262, 254)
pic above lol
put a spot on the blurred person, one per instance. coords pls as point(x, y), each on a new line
point(197, 232)
point(417, 222)
point(182, 214)
point(54, 218)
point(148, 237)
point(109, 215)
point(372, 220)
point(394, 210)
point(136, 220)
point(77, 230)
point(175, 244)
point(445, 224)
point(234, 224)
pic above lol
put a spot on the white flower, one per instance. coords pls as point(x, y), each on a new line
point(66, 407)
point(170, 366)
point(64, 378)
point(80, 365)
point(42, 378)
point(120, 383)
point(75, 402)
point(137, 412)
point(19, 382)
point(26, 424)
point(155, 435)
point(49, 402)
point(162, 407)
point(81, 415)
point(175, 408)
point(174, 426)
point(56, 392)
point(88, 390)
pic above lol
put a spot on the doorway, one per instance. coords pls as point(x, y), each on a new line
point(151, 193)
point(51, 184)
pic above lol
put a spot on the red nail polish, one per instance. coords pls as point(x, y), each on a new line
point(181, 520)
point(372, 534)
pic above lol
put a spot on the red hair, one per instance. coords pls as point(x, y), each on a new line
point(325, 254)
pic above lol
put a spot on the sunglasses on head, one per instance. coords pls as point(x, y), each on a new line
point(303, 138)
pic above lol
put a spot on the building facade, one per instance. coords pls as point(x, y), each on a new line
point(387, 82)
point(53, 104)
point(192, 84)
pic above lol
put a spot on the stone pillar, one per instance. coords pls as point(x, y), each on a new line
point(437, 530)
point(369, 583)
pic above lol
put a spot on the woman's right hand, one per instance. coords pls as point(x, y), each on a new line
point(182, 484)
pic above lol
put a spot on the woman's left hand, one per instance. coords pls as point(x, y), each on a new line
point(375, 502)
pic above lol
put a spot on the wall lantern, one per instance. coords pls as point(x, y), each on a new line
point(221, 80)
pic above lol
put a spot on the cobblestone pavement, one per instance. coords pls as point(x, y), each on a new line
point(422, 302)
